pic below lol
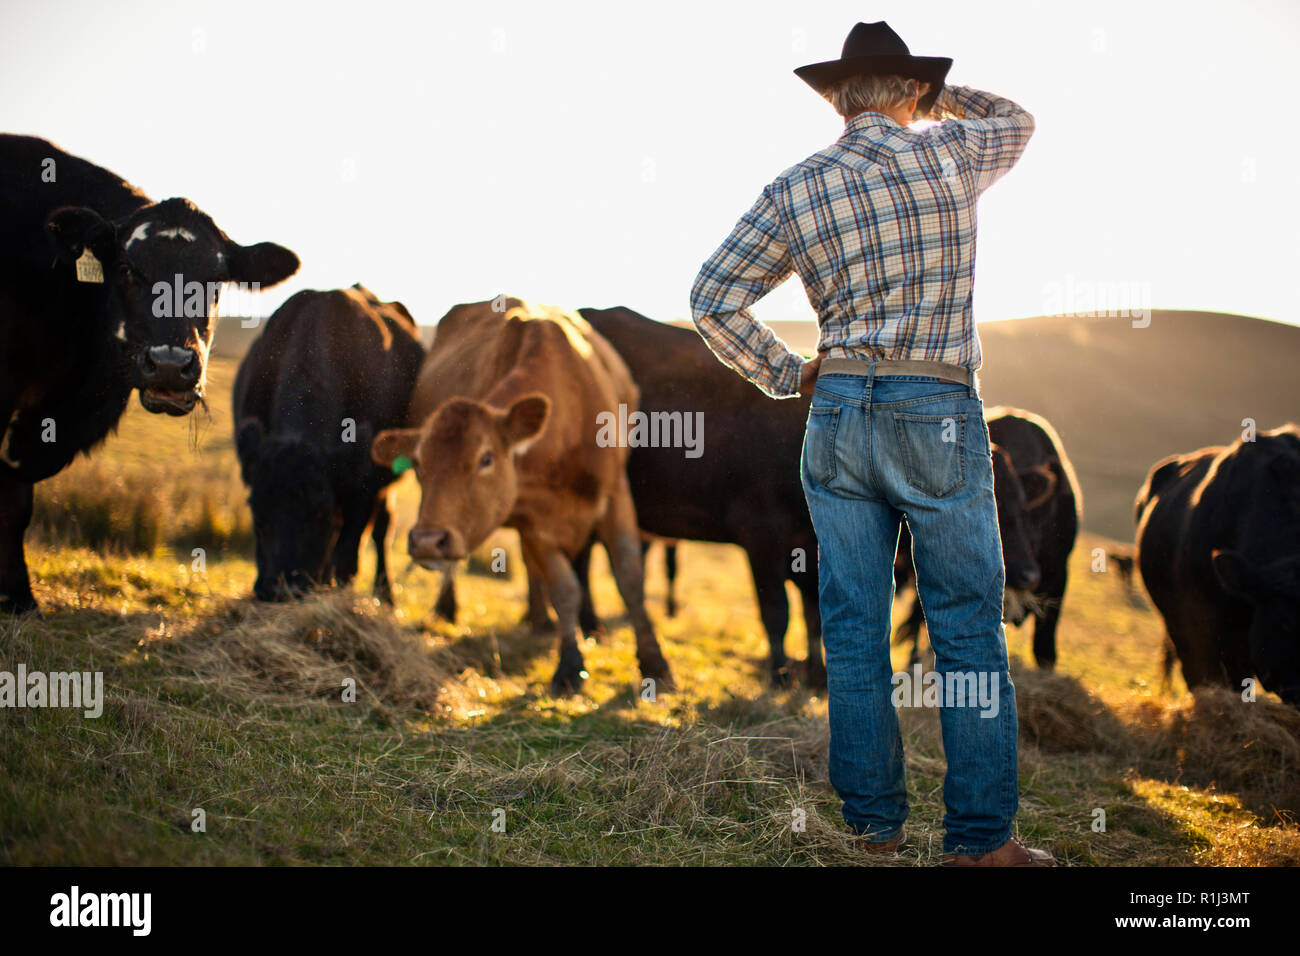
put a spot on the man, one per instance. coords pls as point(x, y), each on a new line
point(880, 226)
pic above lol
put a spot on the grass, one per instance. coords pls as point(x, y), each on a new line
point(454, 752)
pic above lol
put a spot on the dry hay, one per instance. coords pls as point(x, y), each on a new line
point(1058, 714)
point(745, 786)
point(1218, 740)
point(303, 652)
point(1209, 738)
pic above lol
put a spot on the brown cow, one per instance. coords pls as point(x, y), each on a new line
point(506, 431)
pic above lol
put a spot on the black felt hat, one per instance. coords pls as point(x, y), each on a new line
point(875, 48)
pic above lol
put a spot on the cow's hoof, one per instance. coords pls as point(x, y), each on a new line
point(1046, 663)
point(384, 595)
point(21, 607)
point(590, 625)
point(569, 675)
point(658, 671)
point(781, 677)
point(566, 685)
point(446, 610)
point(815, 675)
point(589, 621)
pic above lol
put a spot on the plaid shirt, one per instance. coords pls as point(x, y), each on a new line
point(880, 226)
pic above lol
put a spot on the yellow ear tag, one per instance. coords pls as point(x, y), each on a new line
point(89, 269)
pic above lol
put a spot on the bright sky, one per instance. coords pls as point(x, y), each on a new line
point(596, 153)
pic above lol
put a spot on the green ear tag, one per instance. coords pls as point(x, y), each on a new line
point(402, 464)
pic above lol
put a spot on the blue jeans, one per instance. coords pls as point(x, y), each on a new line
point(877, 451)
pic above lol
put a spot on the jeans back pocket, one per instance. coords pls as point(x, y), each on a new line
point(819, 442)
point(933, 451)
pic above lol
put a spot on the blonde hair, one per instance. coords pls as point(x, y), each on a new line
point(873, 92)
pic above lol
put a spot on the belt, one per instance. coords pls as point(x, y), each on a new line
point(884, 367)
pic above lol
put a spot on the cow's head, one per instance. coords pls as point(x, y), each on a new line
point(296, 515)
point(464, 458)
point(1272, 589)
point(160, 269)
point(1020, 537)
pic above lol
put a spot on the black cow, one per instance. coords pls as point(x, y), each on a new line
point(331, 370)
point(1218, 541)
point(743, 489)
point(102, 292)
point(1038, 503)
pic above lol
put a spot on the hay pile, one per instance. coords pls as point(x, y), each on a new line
point(744, 784)
point(1217, 740)
point(303, 652)
point(1058, 714)
point(1211, 738)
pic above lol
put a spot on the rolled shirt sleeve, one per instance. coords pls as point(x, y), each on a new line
point(752, 261)
point(994, 130)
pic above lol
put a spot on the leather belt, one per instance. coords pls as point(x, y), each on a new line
point(884, 367)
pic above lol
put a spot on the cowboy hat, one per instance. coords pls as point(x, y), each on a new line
point(875, 48)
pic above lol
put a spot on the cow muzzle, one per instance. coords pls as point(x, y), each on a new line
point(1017, 605)
point(434, 549)
point(1025, 578)
point(169, 378)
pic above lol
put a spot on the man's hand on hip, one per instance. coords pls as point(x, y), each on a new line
point(808, 374)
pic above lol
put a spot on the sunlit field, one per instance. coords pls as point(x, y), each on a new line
point(454, 752)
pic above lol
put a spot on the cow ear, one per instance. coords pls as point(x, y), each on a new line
point(264, 263)
point(77, 228)
point(525, 421)
point(394, 443)
point(1235, 575)
point(1039, 484)
point(401, 310)
point(248, 439)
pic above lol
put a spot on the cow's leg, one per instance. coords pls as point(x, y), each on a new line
point(645, 558)
point(539, 608)
point(538, 616)
point(343, 560)
point(815, 667)
point(670, 567)
point(909, 632)
point(15, 514)
point(566, 596)
point(1045, 623)
point(445, 607)
point(587, 618)
point(618, 530)
point(1193, 659)
point(769, 573)
point(1167, 659)
point(379, 524)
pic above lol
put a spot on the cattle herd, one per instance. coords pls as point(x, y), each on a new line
point(498, 420)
